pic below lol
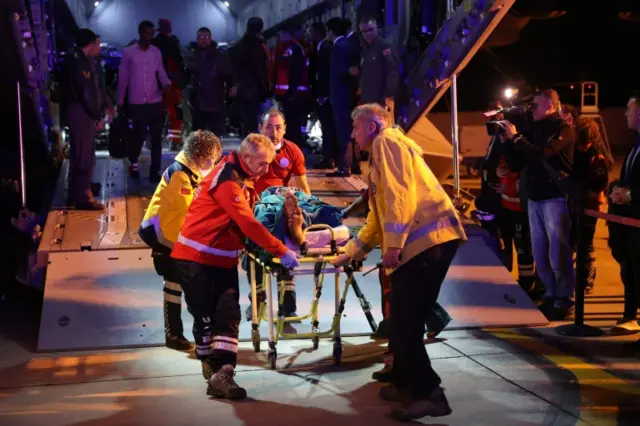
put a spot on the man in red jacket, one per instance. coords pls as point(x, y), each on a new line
point(211, 240)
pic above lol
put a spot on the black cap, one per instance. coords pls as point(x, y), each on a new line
point(85, 37)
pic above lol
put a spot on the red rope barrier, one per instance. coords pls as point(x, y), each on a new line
point(613, 218)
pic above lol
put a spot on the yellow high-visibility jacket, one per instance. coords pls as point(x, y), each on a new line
point(408, 208)
point(169, 205)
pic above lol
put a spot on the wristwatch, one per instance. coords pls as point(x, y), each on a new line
point(627, 195)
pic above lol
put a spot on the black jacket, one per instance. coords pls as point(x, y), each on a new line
point(251, 67)
point(340, 79)
point(82, 84)
point(551, 140)
point(322, 70)
point(170, 48)
point(211, 79)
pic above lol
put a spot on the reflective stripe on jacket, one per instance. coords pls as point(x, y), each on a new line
point(221, 218)
point(409, 209)
point(169, 205)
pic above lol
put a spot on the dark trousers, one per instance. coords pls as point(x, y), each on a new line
point(249, 111)
point(329, 140)
point(630, 274)
point(147, 116)
point(289, 305)
point(213, 300)
point(295, 111)
point(212, 121)
point(82, 155)
point(411, 303)
point(514, 230)
point(587, 264)
point(344, 127)
point(168, 269)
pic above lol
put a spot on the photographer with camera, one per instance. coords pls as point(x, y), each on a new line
point(543, 153)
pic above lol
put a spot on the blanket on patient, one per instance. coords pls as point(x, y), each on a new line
point(270, 212)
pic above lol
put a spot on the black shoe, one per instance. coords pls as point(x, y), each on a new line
point(385, 375)
point(179, 343)
point(89, 206)
point(222, 385)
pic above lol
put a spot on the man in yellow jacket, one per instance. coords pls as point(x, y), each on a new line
point(414, 221)
point(164, 218)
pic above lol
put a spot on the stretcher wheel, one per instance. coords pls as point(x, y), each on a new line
point(316, 342)
point(255, 339)
point(273, 355)
point(337, 353)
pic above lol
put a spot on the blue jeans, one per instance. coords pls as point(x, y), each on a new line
point(550, 223)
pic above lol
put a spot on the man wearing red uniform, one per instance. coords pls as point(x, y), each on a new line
point(287, 163)
point(289, 159)
point(210, 243)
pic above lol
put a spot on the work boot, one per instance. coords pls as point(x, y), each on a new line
point(393, 394)
point(222, 385)
point(207, 371)
point(435, 405)
point(385, 375)
point(178, 343)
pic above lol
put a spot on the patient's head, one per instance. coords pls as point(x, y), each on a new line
point(203, 149)
point(273, 126)
point(256, 152)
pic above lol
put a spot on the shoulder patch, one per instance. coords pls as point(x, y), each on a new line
point(386, 51)
point(185, 191)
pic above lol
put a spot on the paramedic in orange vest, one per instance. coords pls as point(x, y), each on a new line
point(514, 228)
point(291, 83)
point(209, 245)
point(173, 62)
point(288, 163)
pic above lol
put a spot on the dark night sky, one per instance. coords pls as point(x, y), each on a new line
point(589, 43)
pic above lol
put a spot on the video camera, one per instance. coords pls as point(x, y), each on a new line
point(517, 115)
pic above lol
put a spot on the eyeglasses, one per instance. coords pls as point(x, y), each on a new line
point(204, 37)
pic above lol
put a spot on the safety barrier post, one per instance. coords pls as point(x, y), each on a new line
point(579, 328)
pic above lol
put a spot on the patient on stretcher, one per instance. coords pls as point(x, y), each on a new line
point(286, 212)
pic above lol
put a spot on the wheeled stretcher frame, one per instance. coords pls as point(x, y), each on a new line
point(264, 311)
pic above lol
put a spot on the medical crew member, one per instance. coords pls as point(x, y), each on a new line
point(164, 217)
point(415, 222)
point(219, 221)
point(288, 163)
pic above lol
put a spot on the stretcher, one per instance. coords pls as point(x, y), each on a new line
point(321, 259)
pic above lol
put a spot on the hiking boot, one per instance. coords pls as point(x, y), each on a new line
point(435, 405)
point(222, 385)
point(392, 394)
point(385, 375)
point(207, 371)
point(178, 343)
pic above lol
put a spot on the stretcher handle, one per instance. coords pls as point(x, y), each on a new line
point(320, 227)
